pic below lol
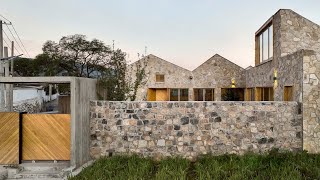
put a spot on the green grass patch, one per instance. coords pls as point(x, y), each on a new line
point(172, 168)
point(119, 167)
point(249, 166)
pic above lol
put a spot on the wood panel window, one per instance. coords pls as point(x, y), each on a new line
point(184, 94)
point(264, 94)
point(232, 94)
point(160, 78)
point(179, 94)
point(249, 94)
point(204, 94)
point(288, 93)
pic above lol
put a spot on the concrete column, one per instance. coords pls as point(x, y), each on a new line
point(7, 86)
point(217, 94)
point(50, 91)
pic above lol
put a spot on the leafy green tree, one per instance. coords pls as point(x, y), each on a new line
point(77, 55)
point(74, 55)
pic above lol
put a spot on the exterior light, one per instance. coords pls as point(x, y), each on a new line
point(233, 83)
point(275, 78)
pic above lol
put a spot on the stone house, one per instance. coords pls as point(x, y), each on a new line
point(168, 82)
point(280, 46)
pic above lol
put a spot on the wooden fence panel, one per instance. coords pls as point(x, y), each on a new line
point(9, 138)
point(46, 137)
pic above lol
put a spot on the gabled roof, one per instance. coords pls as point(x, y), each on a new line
point(217, 57)
point(214, 57)
point(146, 58)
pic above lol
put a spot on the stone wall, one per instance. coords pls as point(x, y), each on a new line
point(30, 106)
point(296, 33)
point(260, 75)
point(311, 101)
point(175, 76)
point(290, 74)
point(192, 128)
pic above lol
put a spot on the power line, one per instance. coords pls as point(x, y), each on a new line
point(5, 18)
point(16, 34)
point(20, 40)
point(10, 40)
point(7, 44)
point(14, 38)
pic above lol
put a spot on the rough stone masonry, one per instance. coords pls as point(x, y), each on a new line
point(189, 129)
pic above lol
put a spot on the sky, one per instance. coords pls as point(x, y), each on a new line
point(184, 32)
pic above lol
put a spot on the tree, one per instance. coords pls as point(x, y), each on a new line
point(74, 55)
point(118, 84)
point(77, 55)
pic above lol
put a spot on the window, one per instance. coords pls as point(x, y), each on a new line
point(184, 94)
point(266, 44)
point(288, 93)
point(249, 94)
point(232, 94)
point(203, 94)
point(174, 94)
point(179, 94)
point(264, 94)
point(198, 94)
point(160, 78)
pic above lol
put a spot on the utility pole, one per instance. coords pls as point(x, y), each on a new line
point(6, 74)
point(6, 63)
point(12, 54)
point(145, 50)
point(10, 100)
point(2, 102)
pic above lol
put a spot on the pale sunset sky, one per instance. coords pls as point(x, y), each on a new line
point(184, 32)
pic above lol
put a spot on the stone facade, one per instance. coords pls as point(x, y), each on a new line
point(189, 129)
point(217, 72)
point(260, 76)
point(311, 102)
point(290, 74)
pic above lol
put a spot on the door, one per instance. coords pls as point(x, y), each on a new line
point(9, 138)
point(288, 92)
point(46, 137)
point(151, 96)
point(161, 95)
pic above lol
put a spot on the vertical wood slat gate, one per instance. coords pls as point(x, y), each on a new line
point(9, 138)
point(34, 137)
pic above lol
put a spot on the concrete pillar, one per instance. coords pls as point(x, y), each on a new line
point(50, 91)
point(217, 94)
point(7, 86)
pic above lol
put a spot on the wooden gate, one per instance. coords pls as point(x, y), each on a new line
point(9, 138)
point(46, 137)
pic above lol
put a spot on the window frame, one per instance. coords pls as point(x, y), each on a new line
point(179, 93)
point(159, 75)
point(267, 29)
point(203, 91)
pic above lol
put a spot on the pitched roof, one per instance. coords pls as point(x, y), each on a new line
point(214, 57)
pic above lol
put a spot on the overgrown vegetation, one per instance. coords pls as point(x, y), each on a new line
point(75, 55)
point(274, 165)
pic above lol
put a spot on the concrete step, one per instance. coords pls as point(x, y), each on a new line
point(39, 170)
point(45, 174)
point(42, 166)
point(3, 173)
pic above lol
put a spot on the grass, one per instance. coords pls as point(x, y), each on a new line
point(250, 166)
